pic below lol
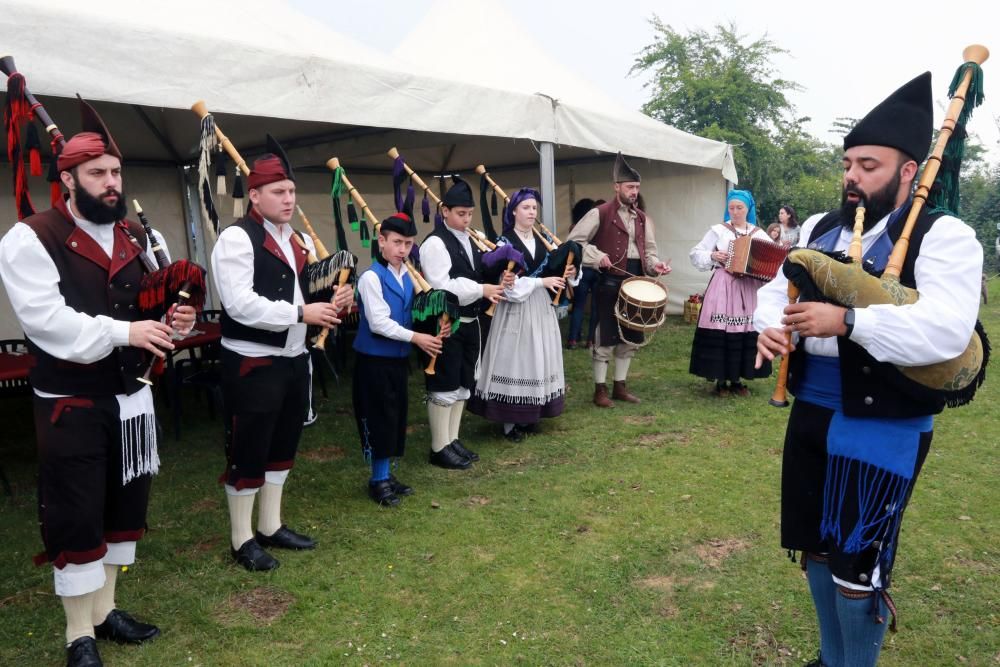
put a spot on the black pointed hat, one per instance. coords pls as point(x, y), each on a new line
point(93, 140)
point(624, 173)
point(904, 121)
point(459, 194)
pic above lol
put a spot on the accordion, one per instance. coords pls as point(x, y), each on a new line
point(754, 256)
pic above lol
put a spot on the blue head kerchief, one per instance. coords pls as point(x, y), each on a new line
point(745, 197)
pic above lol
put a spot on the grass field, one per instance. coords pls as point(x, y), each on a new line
point(643, 535)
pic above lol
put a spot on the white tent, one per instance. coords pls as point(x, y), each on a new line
point(262, 67)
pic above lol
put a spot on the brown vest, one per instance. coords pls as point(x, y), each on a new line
point(612, 235)
point(94, 284)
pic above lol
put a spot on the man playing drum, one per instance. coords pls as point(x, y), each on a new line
point(617, 239)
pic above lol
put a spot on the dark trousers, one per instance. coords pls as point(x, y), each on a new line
point(265, 400)
point(82, 503)
point(588, 281)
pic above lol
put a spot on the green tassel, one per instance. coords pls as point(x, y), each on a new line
point(336, 190)
point(944, 195)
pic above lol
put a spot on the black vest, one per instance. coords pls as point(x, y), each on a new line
point(460, 266)
point(272, 279)
point(94, 284)
point(873, 388)
point(531, 262)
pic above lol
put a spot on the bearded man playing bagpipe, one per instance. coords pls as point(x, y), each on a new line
point(860, 428)
point(73, 275)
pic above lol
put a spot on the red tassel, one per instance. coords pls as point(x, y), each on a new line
point(35, 158)
point(55, 192)
point(17, 111)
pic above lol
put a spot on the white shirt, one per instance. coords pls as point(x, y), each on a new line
point(718, 237)
point(32, 283)
point(377, 310)
point(232, 271)
point(523, 285)
point(936, 328)
point(436, 264)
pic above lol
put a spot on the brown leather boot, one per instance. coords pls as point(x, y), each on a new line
point(601, 399)
point(621, 393)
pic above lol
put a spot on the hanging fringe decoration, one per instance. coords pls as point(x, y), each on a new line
point(336, 190)
point(238, 194)
point(220, 175)
point(34, 146)
point(366, 237)
point(944, 194)
point(431, 305)
point(438, 219)
point(484, 187)
point(352, 215)
point(322, 277)
point(17, 112)
point(160, 289)
point(408, 202)
point(425, 207)
point(208, 143)
point(398, 176)
point(55, 183)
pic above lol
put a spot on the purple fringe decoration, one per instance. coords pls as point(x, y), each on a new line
point(503, 254)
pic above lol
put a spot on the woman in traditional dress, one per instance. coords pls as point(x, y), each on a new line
point(725, 343)
point(521, 373)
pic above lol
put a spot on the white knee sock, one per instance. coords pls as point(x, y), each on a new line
point(621, 368)
point(79, 610)
point(240, 515)
point(269, 516)
point(104, 597)
point(455, 421)
point(439, 418)
point(600, 372)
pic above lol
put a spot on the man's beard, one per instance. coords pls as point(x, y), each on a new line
point(877, 205)
point(96, 210)
point(625, 200)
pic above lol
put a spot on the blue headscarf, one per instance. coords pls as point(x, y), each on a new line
point(517, 198)
point(745, 197)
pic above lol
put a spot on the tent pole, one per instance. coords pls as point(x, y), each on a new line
point(547, 170)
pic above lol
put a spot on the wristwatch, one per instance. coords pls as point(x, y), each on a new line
point(302, 315)
point(849, 321)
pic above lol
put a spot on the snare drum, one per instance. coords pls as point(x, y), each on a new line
point(642, 304)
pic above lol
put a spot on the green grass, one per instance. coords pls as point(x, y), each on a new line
point(643, 535)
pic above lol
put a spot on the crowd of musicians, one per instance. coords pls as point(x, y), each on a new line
point(856, 437)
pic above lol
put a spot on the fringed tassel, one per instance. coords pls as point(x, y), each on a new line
point(238, 195)
point(208, 143)
point(433, 304)
point(484, 189)
point(17, 111)
point(425, 207)
point(220, 174)
point(336, 190)
point(944, 195)
point(352, 216)
point(398, 176)
point(438, 220)
point(34, 146)
point(408, 202)
point(366, 236)
point(139, 452)
point(493, 203)
point(55, 183)
point(881, 496)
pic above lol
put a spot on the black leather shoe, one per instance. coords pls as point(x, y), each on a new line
point(450, 459)
point(286, 538)
point(399, 488)
point(382, 493)
point(457, 445)
point(514, 435)
point(83, 653)
point(251, 556)
point(122, 628)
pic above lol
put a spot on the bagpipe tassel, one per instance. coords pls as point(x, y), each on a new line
point(336, 190)
point(34, 146)
point(220, 175)
point(425, 208)
point(238, 194)
point(55, 183)
point(16, 112)
point(352, 216)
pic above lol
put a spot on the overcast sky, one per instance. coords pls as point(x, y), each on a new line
point(846, 55)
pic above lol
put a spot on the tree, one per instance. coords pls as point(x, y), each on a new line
point(723, 86)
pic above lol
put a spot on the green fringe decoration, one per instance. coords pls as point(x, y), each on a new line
point(944, 196)
point(433, 304)
point(336, 190)
point(366, 237)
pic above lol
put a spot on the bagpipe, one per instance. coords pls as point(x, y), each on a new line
point(432, 307)
point(844, 280)
point(325, 271)
point(562, 254)
point(406, 205)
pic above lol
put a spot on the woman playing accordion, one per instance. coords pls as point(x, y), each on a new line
point(725, 343)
